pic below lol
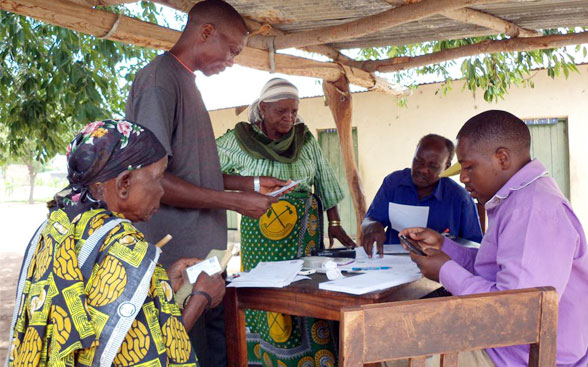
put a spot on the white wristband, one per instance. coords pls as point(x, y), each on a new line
point(256, 184)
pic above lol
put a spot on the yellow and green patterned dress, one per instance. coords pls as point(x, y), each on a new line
point(289, 230)
point(91, 294)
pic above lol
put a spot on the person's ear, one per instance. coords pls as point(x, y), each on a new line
point(503, 158)
point(123, 184)
point(206, 31)
point(262, 108)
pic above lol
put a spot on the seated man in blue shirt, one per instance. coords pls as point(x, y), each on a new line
point(451, 209)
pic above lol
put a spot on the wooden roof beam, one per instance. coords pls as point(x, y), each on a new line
point(477, 17)
point(130, 30)
point(484, 47)
point(368, 25)
point(92, 3)
point(253, 26)
point(471, 16)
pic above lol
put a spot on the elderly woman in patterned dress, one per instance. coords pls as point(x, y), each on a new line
point(275, 142)
point(90, 291)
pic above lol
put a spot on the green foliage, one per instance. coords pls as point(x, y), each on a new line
point(54, 80)
point(493, 74)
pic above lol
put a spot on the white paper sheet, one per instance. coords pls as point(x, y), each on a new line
point(369, 282)
point(406, 216)
point(395, 249)
point(396, 263)
point(284, 188)
point(275, 274)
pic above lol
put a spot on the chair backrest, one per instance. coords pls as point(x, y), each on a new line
point(448, 325)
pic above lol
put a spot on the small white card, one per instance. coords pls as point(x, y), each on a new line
point(211, 266)
point(284, 188)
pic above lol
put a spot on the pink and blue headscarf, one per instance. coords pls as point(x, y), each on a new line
point(100, 152)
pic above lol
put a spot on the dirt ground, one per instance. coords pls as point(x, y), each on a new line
point(8, 278)
point(17, 223)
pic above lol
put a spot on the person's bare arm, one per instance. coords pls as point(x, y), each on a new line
point(214, 287)
point(182, 194)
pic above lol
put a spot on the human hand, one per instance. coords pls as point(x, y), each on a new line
point(431, 264)
point(253, 204)
point(213, 285)
point(373, 232)
point(270, 184)
point(425, 237)
point(175, 272)
point(339, 233)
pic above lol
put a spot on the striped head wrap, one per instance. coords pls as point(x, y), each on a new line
point(274, 90)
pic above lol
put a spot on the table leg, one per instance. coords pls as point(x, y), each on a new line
point(235, 330)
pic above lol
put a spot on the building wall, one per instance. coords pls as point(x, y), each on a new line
point(388, 134)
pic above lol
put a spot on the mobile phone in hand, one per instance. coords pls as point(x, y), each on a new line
point(412, 246)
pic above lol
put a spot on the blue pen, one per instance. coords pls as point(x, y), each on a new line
point(371, 268)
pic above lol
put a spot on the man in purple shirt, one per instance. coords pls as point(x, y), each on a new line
point(533, 239)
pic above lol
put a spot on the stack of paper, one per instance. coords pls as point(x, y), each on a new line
point(275, 274)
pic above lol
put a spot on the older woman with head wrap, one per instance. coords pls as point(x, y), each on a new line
point(275, 142)
point(90, 291)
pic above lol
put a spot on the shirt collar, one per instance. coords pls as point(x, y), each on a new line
point(437, 192)
point(528, 174)
point(180, 65)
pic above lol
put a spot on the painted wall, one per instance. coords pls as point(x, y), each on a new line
point(388, 134)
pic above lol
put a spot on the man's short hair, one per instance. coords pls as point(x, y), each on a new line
point(496, 128)
point(446, 142)
point(215, 12)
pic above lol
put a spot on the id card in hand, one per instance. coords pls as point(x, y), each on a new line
point(210, 266)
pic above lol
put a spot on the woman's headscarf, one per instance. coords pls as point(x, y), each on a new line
point(100, 152)
point(255, 143)
point(274, 90)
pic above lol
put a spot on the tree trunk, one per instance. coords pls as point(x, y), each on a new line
point(32, 176)
point(338, 98)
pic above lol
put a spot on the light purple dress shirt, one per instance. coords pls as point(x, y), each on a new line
point(534, 239)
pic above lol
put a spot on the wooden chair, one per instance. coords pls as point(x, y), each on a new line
point(415, 329)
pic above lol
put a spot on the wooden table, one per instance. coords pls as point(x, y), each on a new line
point(302, 298)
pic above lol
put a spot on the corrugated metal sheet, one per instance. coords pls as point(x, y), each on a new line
point(296, 16)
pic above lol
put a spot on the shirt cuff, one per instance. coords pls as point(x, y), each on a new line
point(452, 275)
point(451, 248)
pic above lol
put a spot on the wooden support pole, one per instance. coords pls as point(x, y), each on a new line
point(484, 47)
point(368, 25)
point(99, 23)
point(338, 98)
point(471, 16)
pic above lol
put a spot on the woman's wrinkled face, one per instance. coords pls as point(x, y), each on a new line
point(145, 191)
point(279, 117)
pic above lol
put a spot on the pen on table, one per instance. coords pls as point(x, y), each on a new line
point(372, 268)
